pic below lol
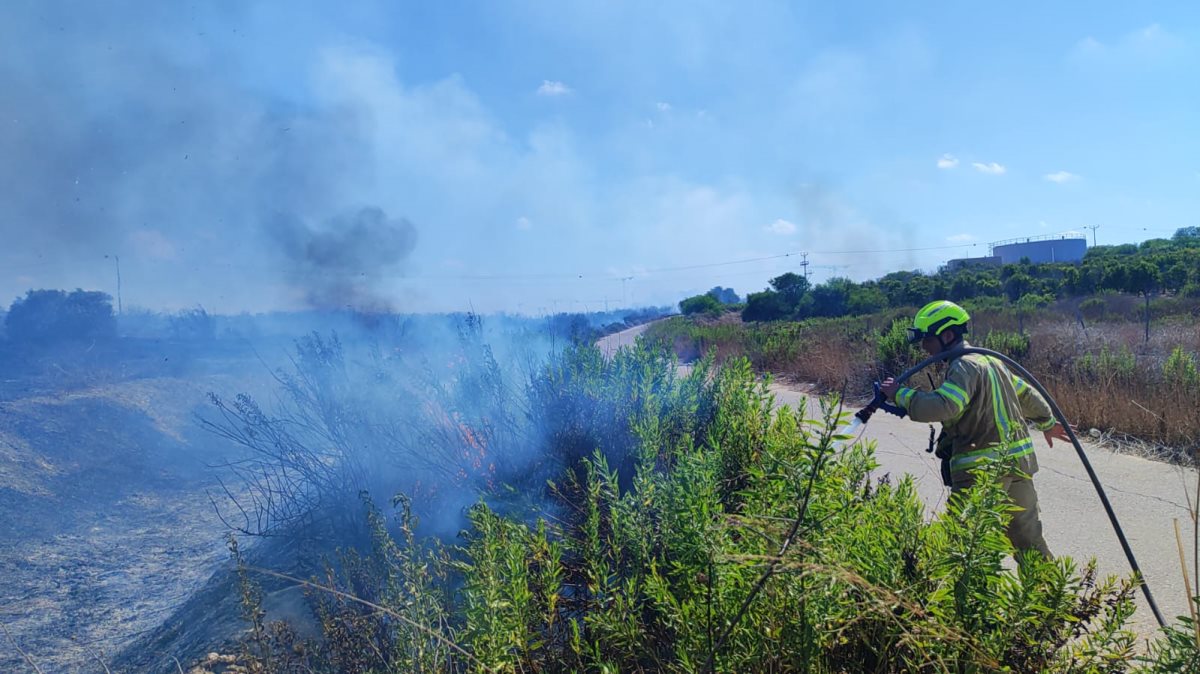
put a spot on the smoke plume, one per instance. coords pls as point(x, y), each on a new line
point(347, 263)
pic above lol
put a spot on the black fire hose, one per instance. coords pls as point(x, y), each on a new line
point(1061, 418)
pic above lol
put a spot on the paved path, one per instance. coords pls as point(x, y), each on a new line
point(1146, 495)
point(610, 343)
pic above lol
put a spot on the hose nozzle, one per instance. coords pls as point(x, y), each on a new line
point(879, 402)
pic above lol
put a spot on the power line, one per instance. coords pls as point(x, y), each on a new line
point(889, 250)
point(706, 265)
point(560, 275)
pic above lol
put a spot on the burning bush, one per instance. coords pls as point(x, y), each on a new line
point(438, 422)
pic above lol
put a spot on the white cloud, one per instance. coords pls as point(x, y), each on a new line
point(961, 238)
point(663, 107)
point(524, 224)
point(553, 88)
point(991, 168)
point(1142, 46)
point(1061, 177)
point(947, 161)
point(782, 227)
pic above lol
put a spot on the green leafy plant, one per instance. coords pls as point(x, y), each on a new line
point(691, 526)
point(1012, 344)
point(1180, 370)
point(894, 353)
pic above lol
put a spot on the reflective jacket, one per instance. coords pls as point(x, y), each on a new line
point(983, 409)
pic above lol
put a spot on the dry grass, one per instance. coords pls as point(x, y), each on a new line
point(1103, 374)
point(1133, 400)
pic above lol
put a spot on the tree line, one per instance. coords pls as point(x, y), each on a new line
point(1153, 267)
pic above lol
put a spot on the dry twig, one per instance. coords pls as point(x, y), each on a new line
point(1187, 583)
point(20, 650)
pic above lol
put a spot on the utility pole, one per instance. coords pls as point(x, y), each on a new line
point(1093, 228)
point(804, 264)
point(117, 259)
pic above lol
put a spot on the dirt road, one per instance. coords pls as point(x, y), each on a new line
point(1146, 495)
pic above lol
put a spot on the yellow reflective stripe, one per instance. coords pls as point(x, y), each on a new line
point(971, 459)
point(1045, 425)
point(954, 393)
point(1019, 384)
point(904, 396)
point(954, 419)
point(1001, 414)
point(1021, 448)
point(986, 452)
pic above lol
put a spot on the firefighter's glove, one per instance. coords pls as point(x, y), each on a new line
point(889, 388)
point(1057, 432)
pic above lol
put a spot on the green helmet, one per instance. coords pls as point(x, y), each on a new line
point(934, 318)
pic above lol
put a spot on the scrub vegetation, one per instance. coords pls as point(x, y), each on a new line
point(1102, 372)
point(1113, 337)
point(670, 521)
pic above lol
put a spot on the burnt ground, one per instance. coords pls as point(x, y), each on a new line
point(106, 526)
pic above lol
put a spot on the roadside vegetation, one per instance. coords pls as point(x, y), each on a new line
point(1102, 372)
point(1154, 269)
point(458, 505)
point(678, 522)
point(1112, 337)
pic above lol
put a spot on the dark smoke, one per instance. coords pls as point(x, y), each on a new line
point(346, 264)
point(830, 218)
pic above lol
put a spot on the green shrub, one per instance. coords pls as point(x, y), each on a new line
point(984, 303)
point(893, 351)
point(1177, 650)
point(701, 304)
point(1180, 370)
point(1011, 344)
point(694, 527)
point(1107, 366)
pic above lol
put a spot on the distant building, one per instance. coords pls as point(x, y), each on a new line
point(965, 262)
point(1041, 249)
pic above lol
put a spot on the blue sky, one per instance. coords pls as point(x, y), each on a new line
point(568, 155)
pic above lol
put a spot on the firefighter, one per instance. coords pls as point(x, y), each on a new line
point(983, 409)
